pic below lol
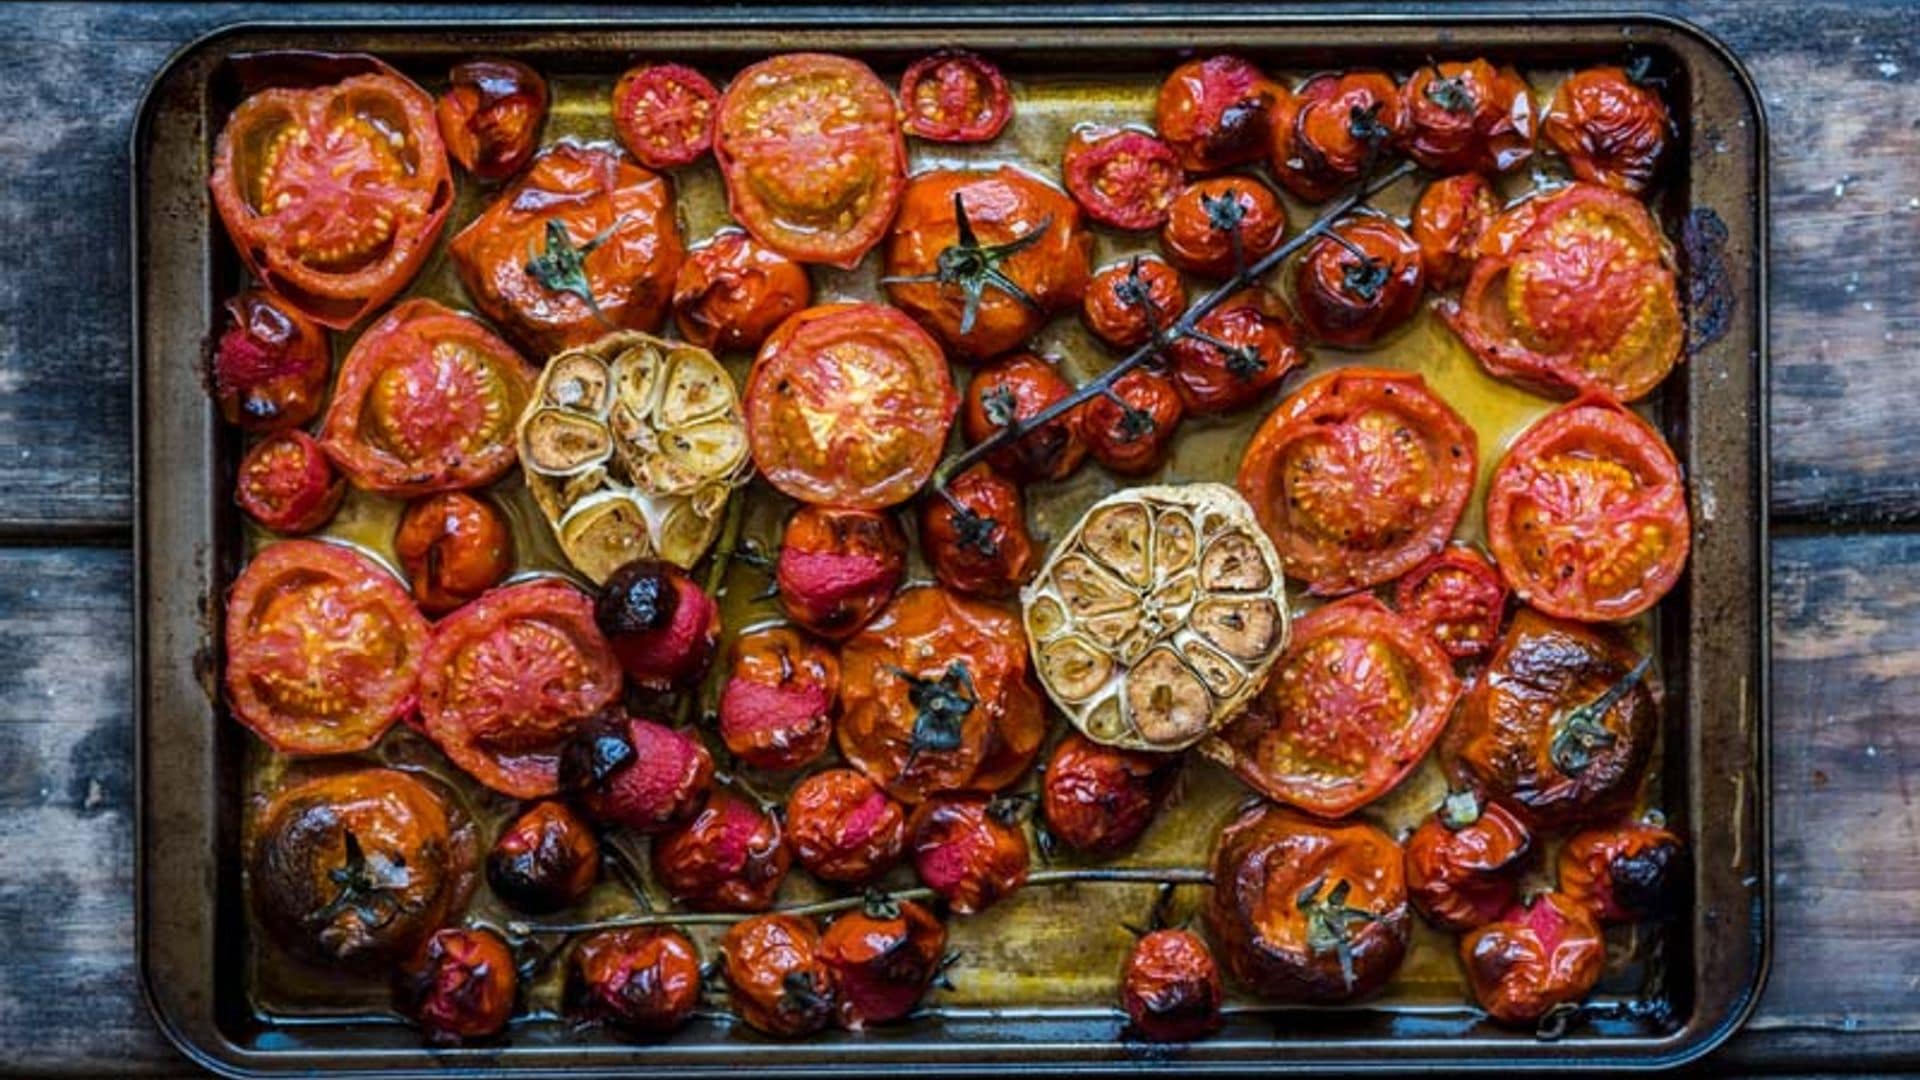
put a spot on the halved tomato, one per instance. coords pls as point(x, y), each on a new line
point(663, 114)
point(323, 645)
point(426, 401)
point(287, 484)
point(955, 96)
point(1123, 178)
point(1458, 598)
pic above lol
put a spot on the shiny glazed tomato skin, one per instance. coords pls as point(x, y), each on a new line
point(661, 625)
point(1458, 597)
point(544, 860)
point(1129, 430)
point(1465, 873)
point(636, 773)
point(1538, 956)
point(967, 851)
point(1127, 302)
point(1205, 218)
point(732, 291)
point(1014, 389)
point(1351, 300)
point(842, 827)
point(1448, 222)
point(838, 568)
point(1327, 131)
point(1625, 873)
point(883, 960)
point(1123, 178)
point(491, 114)
point(1171, 988)
point(1212, 380)
point(459, 987)
point(1216, 112)
point(978, 543)
point(1468, 116)
point(453, 546)
point(730, 857)
point(955, 96)
point(776, 709)
point(287, 484)
point(643, 980)
point(1610, 129)
point(270, 366)
point(776, 979)
point(663, 114)
point(1099, 799)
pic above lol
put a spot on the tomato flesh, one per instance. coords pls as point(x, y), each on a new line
point(288, 485)
point(663, 114)
point(1459, 598)
point(1123, 178)
point(955, 97)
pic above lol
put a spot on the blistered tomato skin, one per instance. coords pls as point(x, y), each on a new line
point(968, 849)
point(977, 538)
point(662, 626)
point(1329, 130)
point(1123, 178)
point(1128, 302)
point(838, 568)
point(453, 546)
point(459, 987)
point(270, 366)
point(1625, 873)
point(842, 827)
point(776, 709)
point(1099, 799)
point(491, 116)
point(544, 860)
point(1171, 988)
point(288, 485)
point(1460, 600)
point(955, 96)
point(1536, 957)
point(883, 958)
point(644, 981)
point(1012, 390)
point(730, 857)
point(1130, 429)
point(1448, 222)
point(1611, 129)
point(776, 979)
point(1217, 112)
point(663, 114)
point(1353, 294)
point(1468, 116)
point(1261, 348)
point(1220, 225)
point(732, 291)
point(637, 774)
point(1464, 862)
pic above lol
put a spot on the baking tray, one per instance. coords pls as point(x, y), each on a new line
point(1696, 983)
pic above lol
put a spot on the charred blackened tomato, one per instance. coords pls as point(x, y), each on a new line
point(1012, 390)
point(976, 537)
point(775, 977)
point(510, 678)
point(458, 987)
point(323, 648)
point(1559, 727)
point(663, 628)
point(776, 710)
point(1545, 954)
point(730, 857)
point(1625, 873)
point(1217, 112)
point(843, 827)
point(1099, 799)
point(287, 484)
point(454, 546)
point(426, 401)
point(583, 243)
point(1171, 987)
point(637, 774)
point(356, 869)
point(334, 194)
point(1328, 132)
point(1124, 178)
point(1359, 282)
point(1306, 911)
point(1242, 349)
point(1587, 514)
point(883, 956)
point(970, 849)
point(838, 568)
point(644, 981)
point(1448, 222)
point(1458, 598)
point(1468, 116)
point(1130, 427)
point(1127, 303)
point(1218, 226)
point(1611, 128)
point(271, 364)
point(491, 114)
point(1464, 862)
point(955, 96)
point(732, 291)
point(544, 860)
point(811, 151)
point(663, 114)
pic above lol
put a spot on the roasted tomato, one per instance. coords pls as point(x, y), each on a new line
point(838, 568)
point(1544, 954)
point(287, 484)
point(1627, 873)
point(1128, 302)
point(544, 860)
point(976, 537)
point(1012, 390)
point(454, 546)
point(1611, 128)
point(1124, 178)
point(1587, 513)
point(1559, 727)
point(491, 114)
point(732, 291)
point(935, 696)
point(982, 259)
point(1129, 428)
point(849, 405)
point(1458, 598)
point(1259, 349)
point(663, 114)
point(1468, 116)
point(426, 401)
point(776, 710)
point(635, 773)
point(1171, 987)
point(1464, 862)
point(1099, 799)
point(730, 857)
point(334, 195)
point(1448, 223)
point(955, 96)
point(970, 849)
point(356, 869)
point(583, 243)
point(644, 980)
point(1359, 282)
point(458, 987)
point(810, 148)
point(1583, 297)
point(1216, 112)
point(1359, 477)
point(775, 977)
point(271, 364)
point(1306, 911)
point(1351, 708)
point(1217, 226)
point(1328, 132)
point(510, 678)
point(843, 828)
point(323, 648)
point(883, 957)
point(663, 628)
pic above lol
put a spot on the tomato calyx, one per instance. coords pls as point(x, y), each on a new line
point(370, 888)
point(941, 707)
point(972, 530)
point(1361, 280)
point(974, 267)
point(562, 267)
point(1460, 809)
point(1330, 922)
point(1580, 733)
point(1450, 93)
point(880, 904)
point(801, 995)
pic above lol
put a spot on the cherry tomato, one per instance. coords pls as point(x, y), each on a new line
point(838, 568)
point(1171, 988)
point(1354, 293)
point(644, 980)
point(334, 195)
point(323, 648)
point(544, 860)
point(1611, 128)
point(662, 627)
point(426, 401)
point(1359, 477)
point(955, 96)
point(510, 678)
point(843, 827)
point(1129, 428)
point(635, 773)
point(978, 542)
point(1464, 862)
point(663, 114)
point(811, 151)
point(732, 291)
point(454, 546)
point(1458, 598)
point(271, 364)
point(1331, 129)
point(775, 977)
point(883, 958)
point(849, 405)
point(491, 114)
point(1219, 225)
point(1448, 222)
point(287, 484)
point(1124, 178)
point(1012, 390)
point(1217, 112)
point(969, 849)
point(1099, 799)
point(458, 987)
point(1536, 957)
point(776, 710)
point(1468, 116)
point(1261, 349)
point(1128, 302)
point(730, 857)
point(1625, 873)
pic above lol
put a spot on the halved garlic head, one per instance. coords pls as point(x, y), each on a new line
point(1158, 616)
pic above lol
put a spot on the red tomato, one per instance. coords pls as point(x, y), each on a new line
point(838, 568)
point(976, 538)
point(491, 115)
point(1352, 293)
point(1545, 954)
point(1330, 130)
point(662, 627)
point(1218, 226)
point(1260, 350)
point(843, 827)
point(883, 958)
point(1626, 873)
point(955, 96)
point(776, 979)
point(1128, 302)
point(323, 648)
point(454, 546)
point(967, 849)
point(1013, 389)
point(1171, 987)
point(635, 773)
point(1217, 112)
point(776, 710)
point(849, 405)
point(1448, 222)
point(271, 365)
point(1468, 116)
point(1464, 862)
point(287, 484)
point(732, 291)
point(810, 147)
point(1099, 799)
point(459, 987)
point(728, 858)
point(1458, 599)
point(663, 114)
point(1611, 129)
point(644, 980)
point(544, 860)
point(1129, 428)
point(1124, 178)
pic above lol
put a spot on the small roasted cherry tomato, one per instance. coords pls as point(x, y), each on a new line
point(1546, 953)
point(776, 710)
point(1459, 598)
point(955, 96)
point(1220, 225)
point(635, 773)
point(1216, 111)
point(1625, 873)
point(1129, 428)
point(843, 827)
point(1611, 128)
point(643, 980)
point(663, 114)
point(883, 957)
point(1260, 348)
point(271, 364)
point(662, 627)
point(1448, 222)
point(1327, 132)
point(838, 568)
point(1171, 987)
point(454, 546)
point(1012, 390)
point(730, 857)
point(1464, 862)
point(970, 849)
point(732, 291)
point(1124, 178)
point(1128, 302)
point(544, 860)
point(775, 977)
point(1359, 283)
point(491, 114)
point(459, 987)
point(287, 484)
point(1099, 799)
point(976, 538)
point(1468, 116)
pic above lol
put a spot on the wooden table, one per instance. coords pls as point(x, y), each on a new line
point(1841, 83)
